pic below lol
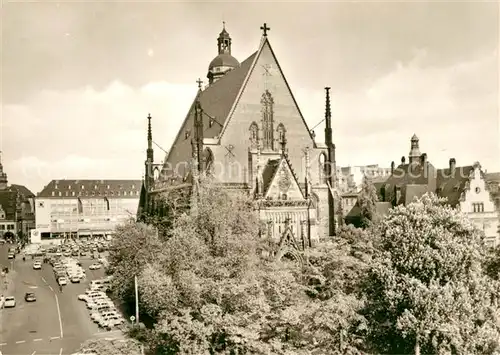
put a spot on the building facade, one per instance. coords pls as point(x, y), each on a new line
point(85, 208)
point(17, 213)
point(350, 178)
point(246, 130)
point(466, 188)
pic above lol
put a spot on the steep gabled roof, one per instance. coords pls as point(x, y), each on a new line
point(22, 190)
point(92, 188)
point(451, 185)
point(8, 201)
point(264, 42)
point(216, 101)
point(271, 171)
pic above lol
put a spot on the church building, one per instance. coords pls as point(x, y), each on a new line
point(246, 130)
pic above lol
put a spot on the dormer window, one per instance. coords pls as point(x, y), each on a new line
point(107, 187)
point(83, 187)
point(133, 186)
point(95, 187)
point(69, 187)
point(188, 132)
point(210, 122)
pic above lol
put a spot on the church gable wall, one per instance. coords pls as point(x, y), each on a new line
point(278, 187)
point(249, 110)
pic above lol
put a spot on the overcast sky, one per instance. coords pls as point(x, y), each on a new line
point(80, 78)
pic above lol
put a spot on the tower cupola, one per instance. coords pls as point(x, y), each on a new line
point(224, 61)
point(415, 154)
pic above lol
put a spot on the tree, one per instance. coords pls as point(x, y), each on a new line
point(428, 291)
point(135, 246)
point(367, 201)
point(102, 346)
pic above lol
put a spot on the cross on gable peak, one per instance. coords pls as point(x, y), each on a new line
point(199, 82)
point(264, 29)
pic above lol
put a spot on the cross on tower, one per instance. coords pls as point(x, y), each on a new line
point(264, 28)
point(199, 81)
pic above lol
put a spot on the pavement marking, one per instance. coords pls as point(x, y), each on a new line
point(59, 315)
point(2, 344)
point(44, 281)
point(34, 352)
point(51, 288)
point(38, 339)
point(20, 341)
point(52, 338)
point(60, 352)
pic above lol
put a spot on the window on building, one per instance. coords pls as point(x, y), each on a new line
point(83, 187)
point(478, 207)
point(72, 193)
point(60, 193)
point(53, 193)
point(267, 109)
point(133, 187)
point(95, 187)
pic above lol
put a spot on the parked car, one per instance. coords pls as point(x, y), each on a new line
point(62, 281)
point(95, 266)
point(37, 265)
point(30, 297)
point(11, 256)
point(10, 302)
point(75, 279)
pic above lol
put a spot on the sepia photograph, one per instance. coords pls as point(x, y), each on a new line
point(249, 177)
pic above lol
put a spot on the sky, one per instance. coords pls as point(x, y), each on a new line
point(79, 78)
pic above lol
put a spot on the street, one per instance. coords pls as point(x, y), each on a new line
point(57, 323)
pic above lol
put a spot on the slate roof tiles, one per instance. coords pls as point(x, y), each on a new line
point(92, 188)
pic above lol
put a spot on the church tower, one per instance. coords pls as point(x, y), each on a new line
point(224, 62)
point(415, 154)
point(3, 176)
point(149, 173)
point(331, 168)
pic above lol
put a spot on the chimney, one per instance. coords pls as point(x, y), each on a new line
point(423, 159)
point(453, 164)
point(392, 167)
point(403, 159)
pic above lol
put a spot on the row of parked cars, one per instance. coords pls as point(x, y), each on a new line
point(101, 308)
point(68, 269)
point(84, 248)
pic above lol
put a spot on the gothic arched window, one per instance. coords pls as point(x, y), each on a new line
point(209, 159)
point(267, 103)
point(254, 133)
point(322, 166)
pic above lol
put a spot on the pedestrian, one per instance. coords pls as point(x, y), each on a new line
point(60, 288)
